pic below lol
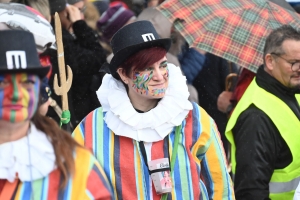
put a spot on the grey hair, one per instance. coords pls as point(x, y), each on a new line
point(277, 37)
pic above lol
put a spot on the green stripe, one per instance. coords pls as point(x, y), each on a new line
point(37, 189)
point(99, 137)
point(14, 97)
point(182, 168)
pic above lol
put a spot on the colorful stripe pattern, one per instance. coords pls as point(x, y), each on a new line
point(200, 167)
point(19, 95)
point(89, 182)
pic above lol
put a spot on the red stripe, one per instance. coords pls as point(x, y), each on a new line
point(96, 187)
point(128, 179)
point(188, 131)
point(53, 185)
point(89, 132)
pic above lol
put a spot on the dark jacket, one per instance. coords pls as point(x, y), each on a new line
point(191, 62)
point(84, 54)
point(210, 83)
point(260, 149)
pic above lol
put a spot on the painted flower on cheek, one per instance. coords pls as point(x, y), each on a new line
point(141, 80)
point(19, 94)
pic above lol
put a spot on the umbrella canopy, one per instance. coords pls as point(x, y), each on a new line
point(283, 4)
point(232, 29)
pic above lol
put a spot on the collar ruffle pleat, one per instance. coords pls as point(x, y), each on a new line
point(16, 162)
point(151, 126)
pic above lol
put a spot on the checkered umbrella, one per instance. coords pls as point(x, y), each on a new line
point(232, 29)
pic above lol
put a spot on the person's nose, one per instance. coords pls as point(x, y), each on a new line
point(15, 90)
point(157, 74)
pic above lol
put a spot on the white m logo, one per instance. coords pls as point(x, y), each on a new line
point(16, 59)
point(148, 37)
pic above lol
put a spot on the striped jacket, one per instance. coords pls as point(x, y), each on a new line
point(200, 167)
point(88, 182)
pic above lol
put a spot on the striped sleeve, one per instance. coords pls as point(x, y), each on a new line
point(78, 133)
point(214, 175)
point(97, 184)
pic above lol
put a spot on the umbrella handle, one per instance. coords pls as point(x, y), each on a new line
point(228, 81)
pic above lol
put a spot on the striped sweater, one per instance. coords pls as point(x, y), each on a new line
point(200, 167)
point(88, 182)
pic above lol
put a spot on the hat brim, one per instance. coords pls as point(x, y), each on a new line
point(39, 71)
point(125, 53)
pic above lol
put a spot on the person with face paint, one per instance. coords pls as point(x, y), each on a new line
point(146, 126)
point(38, 160)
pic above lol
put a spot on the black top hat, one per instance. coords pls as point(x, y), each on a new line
point(18, 53)
point(132, 38)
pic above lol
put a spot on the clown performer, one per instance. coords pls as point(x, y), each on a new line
point(15, 16)
point(38, 160)
point(147, 126)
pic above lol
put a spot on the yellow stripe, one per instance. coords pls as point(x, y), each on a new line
point(78, 136)
point(79, 181)
point(139, 173)
point(18, 195)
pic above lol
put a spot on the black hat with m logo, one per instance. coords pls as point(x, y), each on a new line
point(18, 53)
point(132, 38)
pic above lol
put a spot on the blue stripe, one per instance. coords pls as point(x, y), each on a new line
point(203, 194)
point(94, 133)
point(45, 187)
point(61, 192)
point(106, 150)
point(195, 124)
point(68, 190)
point(26, 190)
point(89, 194)
point(207, 176)
point(176, 176)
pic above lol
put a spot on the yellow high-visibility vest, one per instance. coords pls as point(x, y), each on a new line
point(283, 181)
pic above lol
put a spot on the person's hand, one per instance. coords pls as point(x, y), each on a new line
point(73, 13)
point(224, 101)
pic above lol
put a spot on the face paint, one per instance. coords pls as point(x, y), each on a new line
point(141, 80)
point(144, 85)
point(19, 94)
point(161, 91)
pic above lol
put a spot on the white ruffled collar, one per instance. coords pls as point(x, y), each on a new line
point(151, 126)
point(15, 161)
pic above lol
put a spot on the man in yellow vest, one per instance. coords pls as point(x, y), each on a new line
point(264, 128)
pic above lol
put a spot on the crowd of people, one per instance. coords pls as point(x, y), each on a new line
point(150, 117)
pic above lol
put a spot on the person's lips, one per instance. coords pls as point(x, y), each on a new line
point(158, 85)
point(296, 77)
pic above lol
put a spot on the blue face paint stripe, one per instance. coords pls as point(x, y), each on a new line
point(33, 95)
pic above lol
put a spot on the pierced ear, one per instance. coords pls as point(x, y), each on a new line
point(122, 75)
point(269, 59)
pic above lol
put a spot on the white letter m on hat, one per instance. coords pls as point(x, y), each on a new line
point(148, 37)
point(16, 59)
